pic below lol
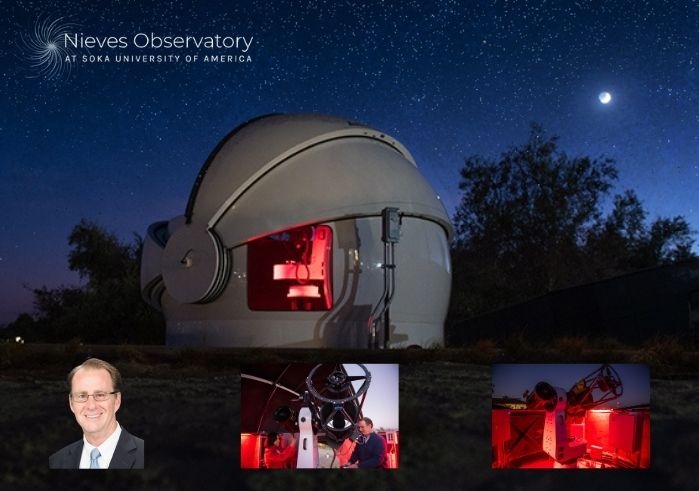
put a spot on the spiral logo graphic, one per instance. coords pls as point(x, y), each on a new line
point(46, 49)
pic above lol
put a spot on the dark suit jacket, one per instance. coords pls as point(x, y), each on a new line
point(127, 455)
point(370, 455)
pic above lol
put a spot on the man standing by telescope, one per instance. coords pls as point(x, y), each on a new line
point(370, 451)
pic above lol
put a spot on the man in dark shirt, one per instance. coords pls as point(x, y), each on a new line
point(370, 451)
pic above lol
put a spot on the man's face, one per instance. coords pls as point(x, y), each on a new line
point(364, 428)
point(97, 419)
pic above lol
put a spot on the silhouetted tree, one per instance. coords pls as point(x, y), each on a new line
point(623, 242)
point(108, 308)
point(99, 257)
point(532, 222)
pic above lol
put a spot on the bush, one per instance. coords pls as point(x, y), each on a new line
point(518, 348)
point(570, 347)
point(662, 353)
point(12, 354)
point(484, 352)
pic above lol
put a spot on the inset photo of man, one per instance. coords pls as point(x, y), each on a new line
point(94, 398)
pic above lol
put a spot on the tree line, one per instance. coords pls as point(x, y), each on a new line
point(528, 223)
point(107, 309)
point(533, 221)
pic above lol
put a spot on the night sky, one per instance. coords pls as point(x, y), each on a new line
point(121, 143)
point(381, 403)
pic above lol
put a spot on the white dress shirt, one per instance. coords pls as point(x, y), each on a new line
point(106, 449)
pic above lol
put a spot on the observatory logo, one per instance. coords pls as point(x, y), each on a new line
point(55, 48)
point(46, 51)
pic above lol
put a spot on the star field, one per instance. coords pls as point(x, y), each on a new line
point(121, 144)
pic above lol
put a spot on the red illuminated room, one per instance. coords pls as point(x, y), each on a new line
point(571, 416)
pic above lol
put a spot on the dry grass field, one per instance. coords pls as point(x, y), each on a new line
point(184, 404)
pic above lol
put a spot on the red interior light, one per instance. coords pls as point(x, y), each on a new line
point(291, 270)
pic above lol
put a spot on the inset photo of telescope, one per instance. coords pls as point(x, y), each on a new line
point(555, 416)
point(324, 416)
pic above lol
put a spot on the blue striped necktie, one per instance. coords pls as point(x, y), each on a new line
point(94, 455)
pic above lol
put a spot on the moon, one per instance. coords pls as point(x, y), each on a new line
point(605, 97)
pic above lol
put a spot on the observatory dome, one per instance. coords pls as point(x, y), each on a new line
point(307, 231)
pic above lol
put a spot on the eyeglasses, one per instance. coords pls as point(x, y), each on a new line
point(82, 397)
